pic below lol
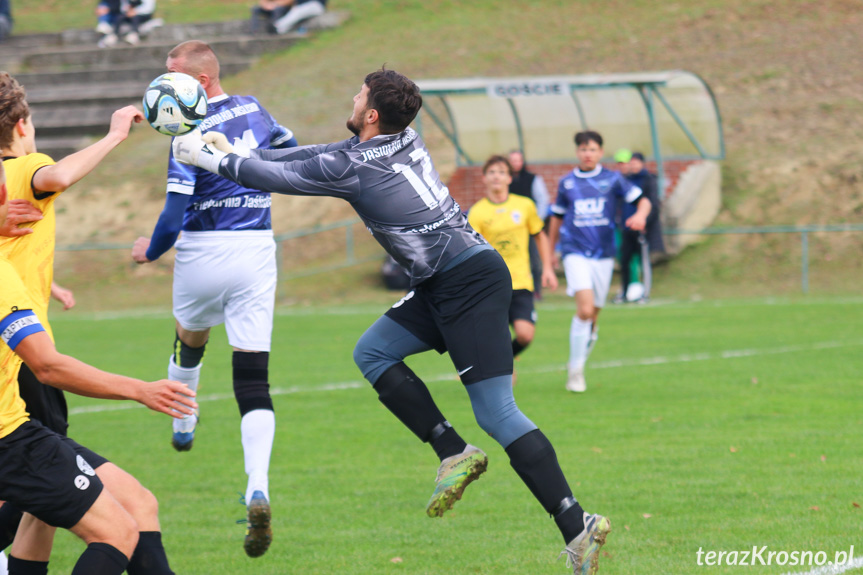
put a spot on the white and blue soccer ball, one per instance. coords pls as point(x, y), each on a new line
point(175, 103)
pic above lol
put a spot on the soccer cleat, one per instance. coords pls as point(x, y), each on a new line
point(453, 476)
point(184, 432)
point(582, 553)
point(575, 381)
point(259, 534)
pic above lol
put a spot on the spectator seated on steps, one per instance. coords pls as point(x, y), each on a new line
point(282, 16)
point(129, 19)
point(5, 19)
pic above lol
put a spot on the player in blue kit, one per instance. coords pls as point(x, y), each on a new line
point(587, 199)
point(459, 301)
point(224, 272)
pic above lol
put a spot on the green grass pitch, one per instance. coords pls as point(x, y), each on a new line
point(712, 425)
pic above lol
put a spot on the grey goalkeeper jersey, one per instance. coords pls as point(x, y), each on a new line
point(389, 180)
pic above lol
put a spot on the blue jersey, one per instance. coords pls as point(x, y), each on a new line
point(587, 202)
point(216, 203)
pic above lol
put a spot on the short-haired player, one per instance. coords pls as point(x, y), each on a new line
point(224, 272)
point(508, 222)
point(37, 181)
point(583, 220)
point(47, 475)
point(459, 302)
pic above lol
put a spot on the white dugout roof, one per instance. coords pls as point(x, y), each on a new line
point(671, 115)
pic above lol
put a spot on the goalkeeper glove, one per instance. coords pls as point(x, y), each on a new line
point(191, 149)
point(219, 141)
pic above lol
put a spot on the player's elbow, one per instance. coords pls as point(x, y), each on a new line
point(46, 371)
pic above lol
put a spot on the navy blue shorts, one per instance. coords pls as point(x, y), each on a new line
point(465, 311)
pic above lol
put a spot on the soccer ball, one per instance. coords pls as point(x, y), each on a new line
point(174, 104)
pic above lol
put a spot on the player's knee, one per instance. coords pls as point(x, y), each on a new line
point(585, 313)
point(371, 360)
point(251, 386)
point(122, 533)
point(148, 505)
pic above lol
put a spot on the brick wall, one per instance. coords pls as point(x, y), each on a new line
point(466, 183)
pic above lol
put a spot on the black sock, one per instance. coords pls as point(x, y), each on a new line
point(100, 559)
point(517, 348)
point(149, 557)
point(185, 356)
point(251, 375)
point(23, 567)
point(448, 443)
point(533, 458)
point(570, 522)
point(408, 398)
point(10, 517)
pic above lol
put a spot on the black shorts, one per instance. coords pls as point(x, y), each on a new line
point(464, 311)
point(44, 403)
point(41, 473)
point(522, 306)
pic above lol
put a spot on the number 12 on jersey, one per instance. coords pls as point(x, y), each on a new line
point(427, 188)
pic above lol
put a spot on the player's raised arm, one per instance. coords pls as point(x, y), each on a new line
point(67, 373)
point(58, 177)
point(325, 174)
point(298, 153)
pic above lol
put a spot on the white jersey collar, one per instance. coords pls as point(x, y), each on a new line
point(594, 172)
point(218, 98)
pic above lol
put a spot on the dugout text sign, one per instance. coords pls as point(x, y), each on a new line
point(515, 89)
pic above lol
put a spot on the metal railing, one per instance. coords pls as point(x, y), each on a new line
point(804, 232)
point(350, 249)
point(351, 258)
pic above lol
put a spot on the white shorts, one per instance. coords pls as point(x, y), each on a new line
point(585, 273)
point(230, 278)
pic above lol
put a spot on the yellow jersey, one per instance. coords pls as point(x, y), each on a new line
point(508, 226)
point(17, 321)
point(32, 255)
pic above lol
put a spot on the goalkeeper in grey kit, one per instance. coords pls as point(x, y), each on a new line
point(461, 291)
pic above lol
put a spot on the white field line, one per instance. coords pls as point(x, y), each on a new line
point(854, 564)
point(610, 364)
point(162, 312)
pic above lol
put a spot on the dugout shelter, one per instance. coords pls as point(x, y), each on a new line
point(670, 116)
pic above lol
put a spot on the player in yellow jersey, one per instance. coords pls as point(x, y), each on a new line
point(38, 180)
point(46, 474)
point(508, 222)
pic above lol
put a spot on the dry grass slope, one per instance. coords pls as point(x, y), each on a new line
point(786, 74)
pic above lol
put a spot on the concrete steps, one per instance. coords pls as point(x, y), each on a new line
point(73, 86)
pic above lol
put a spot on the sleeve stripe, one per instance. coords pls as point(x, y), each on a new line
point(181, 189)
point(18, 325)
point(283, 139)
point(633, 194)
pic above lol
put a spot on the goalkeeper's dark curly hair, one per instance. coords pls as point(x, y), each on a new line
point(13, 107)
point(396, 98)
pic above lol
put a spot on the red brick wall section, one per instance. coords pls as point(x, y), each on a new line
point(466, 183)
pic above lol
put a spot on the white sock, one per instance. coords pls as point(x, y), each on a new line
point(258, 428)
point(189, 376)
point(579, 337)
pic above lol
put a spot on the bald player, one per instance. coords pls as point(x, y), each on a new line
point(224, 272)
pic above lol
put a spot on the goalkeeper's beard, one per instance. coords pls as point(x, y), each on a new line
point(352, 124)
